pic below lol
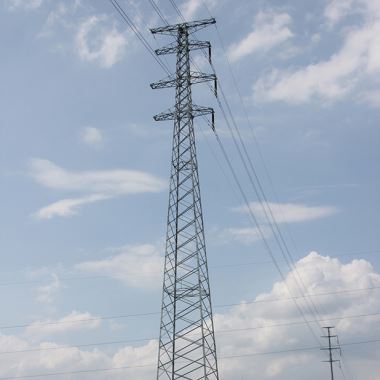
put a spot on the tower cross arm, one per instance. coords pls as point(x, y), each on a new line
point(173, 47)
point(195, 111)
point(195, 77)
point(201, 111)
point(166, 115)
point(192, 27)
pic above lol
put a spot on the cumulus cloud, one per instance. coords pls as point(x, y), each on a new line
point(288, 212)
point(320, 275)
point(270, 322)
point(269, 30)
point(98, 43)
point(102, 184)
point(92, 136)
point(129, 356)
point(55, 357)
point(138, 266)
point(357, 61)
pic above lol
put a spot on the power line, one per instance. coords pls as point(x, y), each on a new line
point(263, 201)
point(252, 215)
point(259, 189)
point(132, 274)
point(292, 265)
point(226, 357)
point(158, 11)
point(265, 167)
point(259, 193)
point(222, 331)
point(138, 34)
point(136, 315)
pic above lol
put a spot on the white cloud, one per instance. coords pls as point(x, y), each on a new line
point(70, 322)
point(92, 136)
point(23, 4)
point(320, 275)
point(47, 293)
point(288, 212)
point(57, 16)
point(139, 266)
point(118, 181)
point(101, 185)
point(100, 44)
point(129, 356)
point(42, 362)
point(191, 7)
point(356, 62)
point(244, 235)
point(281, 212)
point(67, 207)
point(269, 30)
point(55, 357)
point(337, 9)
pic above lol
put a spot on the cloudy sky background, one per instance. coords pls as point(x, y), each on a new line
point(84, 172)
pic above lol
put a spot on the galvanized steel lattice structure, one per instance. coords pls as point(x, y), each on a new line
point(187, 342)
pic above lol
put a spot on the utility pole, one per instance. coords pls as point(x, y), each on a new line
point(187, 342)
point(331, 348)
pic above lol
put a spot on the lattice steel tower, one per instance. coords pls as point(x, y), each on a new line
point(187, 342)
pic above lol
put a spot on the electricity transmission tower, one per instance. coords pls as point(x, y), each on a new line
point(187, 342)
point(331, 348)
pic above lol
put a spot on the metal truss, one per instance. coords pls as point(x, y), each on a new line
point(187, 343)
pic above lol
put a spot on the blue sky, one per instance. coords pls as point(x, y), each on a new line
point(84, 172)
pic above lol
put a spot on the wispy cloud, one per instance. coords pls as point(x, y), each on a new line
point(269, 30)
point(70, 322)
point(190, 7)
point(92, 136)
point(241, 235)
point(337, 9)
point(96, 185)
point(23, 4)
point(107, 181)
point(287, 212)
point(47, 293)
point(138, 266)
point(67, 207)
point(99, 43)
